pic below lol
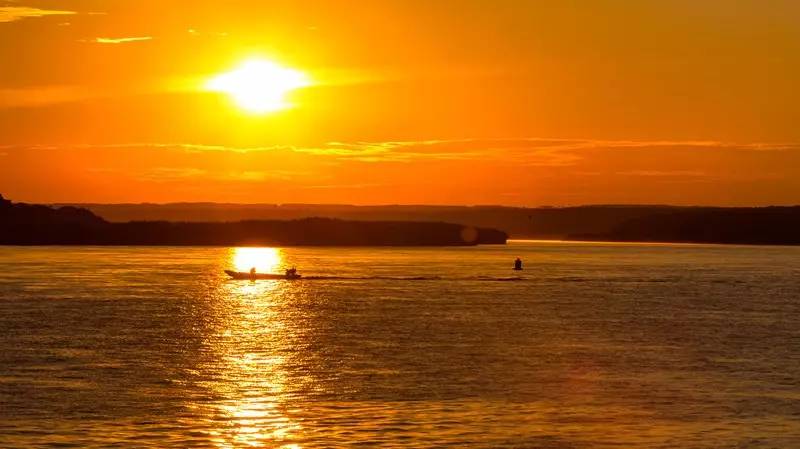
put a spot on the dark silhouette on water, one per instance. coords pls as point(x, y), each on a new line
point(24, 224)
point(760, 226)
point(600, 222)
point(518, 264)
point(253, 276)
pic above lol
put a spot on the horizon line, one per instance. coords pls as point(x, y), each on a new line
point(437, 205)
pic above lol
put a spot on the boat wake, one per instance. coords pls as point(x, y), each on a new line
point(416, 278)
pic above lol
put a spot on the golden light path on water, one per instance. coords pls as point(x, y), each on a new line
point(252, 377)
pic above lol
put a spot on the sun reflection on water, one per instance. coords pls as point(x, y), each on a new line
point(249, 374)
point(264, 260)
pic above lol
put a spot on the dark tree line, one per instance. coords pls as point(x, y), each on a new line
point(25, 224)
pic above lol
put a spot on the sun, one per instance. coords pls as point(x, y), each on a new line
point(259, 85)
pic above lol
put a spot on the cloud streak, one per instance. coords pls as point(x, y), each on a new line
point(517, 151)
point(39, 96)
point(174, 174)
point(534, 152)
point(15, 13)
point(519, 170)
point(118, 40)
point(663, 173)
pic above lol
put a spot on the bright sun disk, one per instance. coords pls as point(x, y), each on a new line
point(259, 85)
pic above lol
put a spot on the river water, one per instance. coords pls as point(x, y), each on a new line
point(591, 346)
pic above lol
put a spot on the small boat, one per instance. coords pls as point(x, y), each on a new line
point(247, 276)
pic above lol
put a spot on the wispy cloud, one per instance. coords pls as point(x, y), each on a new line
point(118, 40)
point(443, 147)
point(657, 161)
point(664, 173)
point(342, 186)
point(14, 13)
point(258, 175)
point(195, 32)
point(172, 174)
point(38, 96)
point(518, 170)
point(532, 152)
point(517, 151)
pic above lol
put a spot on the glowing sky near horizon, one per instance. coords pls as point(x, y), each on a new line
point(401, 101)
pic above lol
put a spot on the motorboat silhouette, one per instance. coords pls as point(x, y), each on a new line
point(244, 275)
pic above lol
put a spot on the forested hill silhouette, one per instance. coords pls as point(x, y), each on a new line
point(764, 225)
point(25, 224)
point(776, 225)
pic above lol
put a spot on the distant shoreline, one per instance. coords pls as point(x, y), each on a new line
point(771, 225)
point(644, 243)
point(240, 225)
point(508, 242)
point(36, 225)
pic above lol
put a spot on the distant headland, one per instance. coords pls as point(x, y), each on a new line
point(27, 224)
point(269, 224)
point(639, 223)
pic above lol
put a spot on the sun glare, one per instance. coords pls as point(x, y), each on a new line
point(264, 260)
point(258, 85)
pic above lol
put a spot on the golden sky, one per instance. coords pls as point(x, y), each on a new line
point(521, 102)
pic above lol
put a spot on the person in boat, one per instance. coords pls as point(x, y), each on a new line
point(291, 272)
point(518, 264)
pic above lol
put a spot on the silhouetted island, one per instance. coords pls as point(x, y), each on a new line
point(752, 225)
point(26, 224)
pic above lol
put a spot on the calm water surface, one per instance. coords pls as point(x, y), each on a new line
point(592, 346)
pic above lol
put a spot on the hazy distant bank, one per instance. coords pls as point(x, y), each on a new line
point(764, 225)
point(25, 224)
point(757, 226)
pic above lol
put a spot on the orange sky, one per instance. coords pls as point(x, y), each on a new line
point(427, 102)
